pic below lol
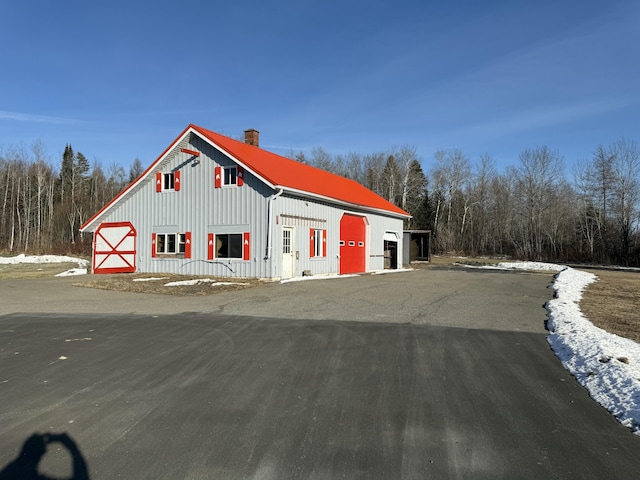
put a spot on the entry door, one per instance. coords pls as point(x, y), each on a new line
point(288, 255)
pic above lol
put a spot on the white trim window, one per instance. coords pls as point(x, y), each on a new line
point(168, 181)
point(171, 244)
point(230, 175)
point(229, 245)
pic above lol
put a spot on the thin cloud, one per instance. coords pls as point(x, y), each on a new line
point(540, 118)
point(28, 117)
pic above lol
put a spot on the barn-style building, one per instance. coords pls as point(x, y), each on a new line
point(212, 205)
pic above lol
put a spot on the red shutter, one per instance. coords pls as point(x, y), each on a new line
point(159, 182)
point(176, 180)
point(324, 243)
point(187, 244)
point(153, 245)
point(217, 182)
point(240, 178)
point(210, 246)
point(312, 243)
point(247, 246)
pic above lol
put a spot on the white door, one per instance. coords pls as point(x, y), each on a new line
point(288, 256)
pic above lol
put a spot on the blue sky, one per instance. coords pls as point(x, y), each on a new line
point(121, 79)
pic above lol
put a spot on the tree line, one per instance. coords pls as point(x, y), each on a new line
point(533, 210)
point(43, 205)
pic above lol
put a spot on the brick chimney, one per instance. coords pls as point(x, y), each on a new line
point(252, 137)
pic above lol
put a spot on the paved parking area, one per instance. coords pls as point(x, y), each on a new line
point(429, 374)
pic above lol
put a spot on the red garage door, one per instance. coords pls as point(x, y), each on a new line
point(353, 231)
point(114, 248)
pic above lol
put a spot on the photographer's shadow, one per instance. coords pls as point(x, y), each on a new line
point(25, 466)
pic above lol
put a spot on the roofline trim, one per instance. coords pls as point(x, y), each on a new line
point(304, 193)
point(89, 226)
point(232, 157)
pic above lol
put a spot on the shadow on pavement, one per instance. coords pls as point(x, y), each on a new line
point(25, 466)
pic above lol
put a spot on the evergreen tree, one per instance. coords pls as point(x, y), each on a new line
point(135, 170)
point(66, 172)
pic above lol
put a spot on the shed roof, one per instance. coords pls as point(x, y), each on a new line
point(278, 171)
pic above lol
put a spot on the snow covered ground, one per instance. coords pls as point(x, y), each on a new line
point(607, 365)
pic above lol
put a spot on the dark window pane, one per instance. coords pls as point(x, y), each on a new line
point(222, 242)
point(235, 241)
point(230, 176)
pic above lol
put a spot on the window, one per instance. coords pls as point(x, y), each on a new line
point(286, 241)
point(229, 245)
point(230, 176)
point(170, 243)
point(318, 243)
point(164, 244)
point(168, 181)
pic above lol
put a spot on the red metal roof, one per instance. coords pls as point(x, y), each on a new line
point(280, 172)
point(291, 174)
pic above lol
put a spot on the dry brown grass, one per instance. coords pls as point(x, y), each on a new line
point(613, 303)
point(34, 270)
point(155, 284)
point(124, 282)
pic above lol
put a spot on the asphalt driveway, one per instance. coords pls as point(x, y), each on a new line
point(429, 374)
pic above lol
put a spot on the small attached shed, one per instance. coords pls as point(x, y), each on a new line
point(212, 205)
point(417, 246)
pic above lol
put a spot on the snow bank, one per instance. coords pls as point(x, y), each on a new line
point(607, 365)
point(540, 266)
point(22, 258)
point(537, 266)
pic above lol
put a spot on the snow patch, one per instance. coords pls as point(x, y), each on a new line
point(73, 272)
point(394, 270)
point(534, 266)
point(22, 258)
point(607, 365)
point(317, 277)
point(198, 281)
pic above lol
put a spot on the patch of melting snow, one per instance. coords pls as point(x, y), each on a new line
point(73, 272)
point(197, 281)
point(22, 258)
point(318, 277)
point(537, 266)
point(152, 279)
point(391, 270)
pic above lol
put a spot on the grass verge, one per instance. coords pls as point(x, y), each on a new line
point(156, 284)
point(613, 303)
point(33, 270)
